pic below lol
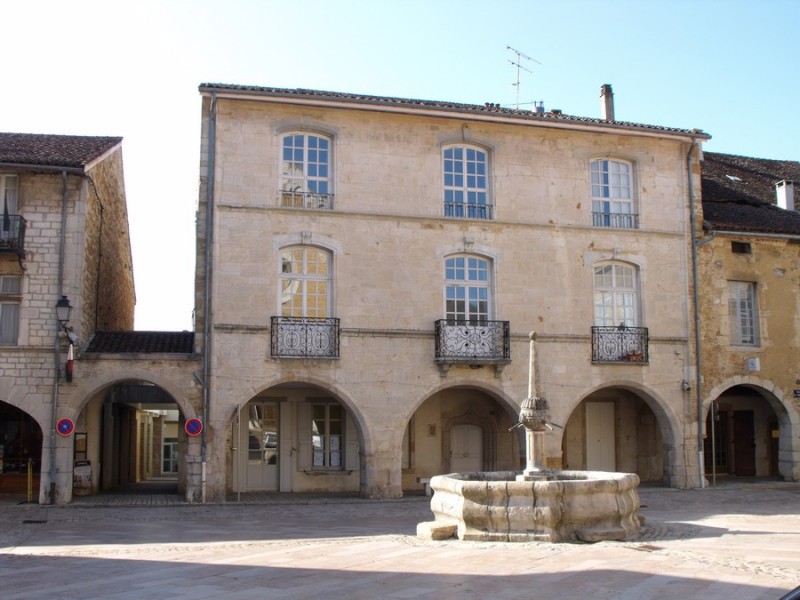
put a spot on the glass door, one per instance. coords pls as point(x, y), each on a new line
point(261, 441)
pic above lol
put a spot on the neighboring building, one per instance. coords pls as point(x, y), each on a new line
point(64, 242)
point(749, 286)
point(64, 236)
point(369, 270)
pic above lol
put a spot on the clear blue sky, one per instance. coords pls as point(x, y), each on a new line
point(132, 69)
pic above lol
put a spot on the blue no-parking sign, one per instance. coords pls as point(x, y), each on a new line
point(194, 427)
point(65, 427)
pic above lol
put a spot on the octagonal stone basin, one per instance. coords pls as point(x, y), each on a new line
point(585, 506)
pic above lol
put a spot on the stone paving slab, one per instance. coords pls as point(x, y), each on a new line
point(731, 544)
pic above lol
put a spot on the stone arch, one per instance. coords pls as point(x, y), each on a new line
point(786, 415)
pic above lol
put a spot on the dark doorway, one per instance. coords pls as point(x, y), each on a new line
point(20, 450)
point(744, 443)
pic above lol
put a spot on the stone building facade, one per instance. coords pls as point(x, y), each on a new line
point(369, 270)
point(64, 235)
point(749, 284)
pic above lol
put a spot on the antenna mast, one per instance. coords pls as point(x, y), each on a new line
point(519, 67)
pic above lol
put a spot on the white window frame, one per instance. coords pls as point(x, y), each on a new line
point(294, 283)
point(9, 205)
point(743, 313)
point(612, 192)
point(465, 181)
point(10, 298)
point(306, 170)
point(468, 282)
point(616, 295)
point(328, 449)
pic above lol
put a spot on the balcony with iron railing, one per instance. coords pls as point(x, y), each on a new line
point(304, 337)
point(465, 210)
point(620, 345)
point(482, 342)
point(307, 200)
point(615, 220)
point(12, 235)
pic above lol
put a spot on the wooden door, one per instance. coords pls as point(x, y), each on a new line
point(600, 437)
point(744, 443)
point(466, 449)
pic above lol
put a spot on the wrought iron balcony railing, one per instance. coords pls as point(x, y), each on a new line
point(620, 344)
point(615, 220)
point(463, 210)
point(477, 343)
point(12, 234)
point(306, 200)
point(304, 337)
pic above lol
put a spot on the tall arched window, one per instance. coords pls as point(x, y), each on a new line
point(612, 194)
point(466, 191)
point(306, 171)
point(616, 295)
point(305, 282)
point(467, 289)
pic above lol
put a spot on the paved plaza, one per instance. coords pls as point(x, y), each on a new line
point(734, 542)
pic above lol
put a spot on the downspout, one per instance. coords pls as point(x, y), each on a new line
point(57, 346)
point(99, 253)
point(212, 132)
point(698, 385)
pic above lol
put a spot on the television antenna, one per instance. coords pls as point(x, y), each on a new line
point(519, 67)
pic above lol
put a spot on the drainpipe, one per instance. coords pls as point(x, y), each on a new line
point(698, 385)
point(212, 132)
point(57, 346)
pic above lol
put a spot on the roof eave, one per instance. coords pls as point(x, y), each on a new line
point(561, 122)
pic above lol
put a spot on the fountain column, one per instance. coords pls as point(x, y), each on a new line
point(534, 416)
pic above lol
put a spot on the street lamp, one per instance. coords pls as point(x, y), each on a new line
point(63, 310)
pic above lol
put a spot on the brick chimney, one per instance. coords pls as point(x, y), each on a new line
point(785, 192)
point(607, 102)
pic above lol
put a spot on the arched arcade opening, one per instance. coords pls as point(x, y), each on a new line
point(617, 429)
point(20, 451)
point(130, 438)
point(294, 437)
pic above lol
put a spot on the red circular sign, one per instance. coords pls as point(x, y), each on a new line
point(193, 427)
point(65, 427)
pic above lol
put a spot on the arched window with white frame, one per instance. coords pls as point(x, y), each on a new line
point(305, 282)
point(613, 201)
point(466, 182)
point(616, 295)
point(306, 174)
point(467, 289)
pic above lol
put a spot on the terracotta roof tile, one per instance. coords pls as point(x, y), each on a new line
point(739, 194)
point(487, 108)
point(141, 342)
point(65, 151)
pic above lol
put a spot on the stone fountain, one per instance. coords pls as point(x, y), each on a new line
point(538, 504)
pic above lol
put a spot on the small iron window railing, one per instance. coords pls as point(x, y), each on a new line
point(615, 220)
point(308, 200)
point(12, 234)
point(465, 341)
point(620, 344)
point(304, 337)
point(465, 210)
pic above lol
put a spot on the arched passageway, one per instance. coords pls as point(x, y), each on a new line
point(20, 451)
point(130, 438)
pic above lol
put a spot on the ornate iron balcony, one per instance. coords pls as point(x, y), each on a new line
point(615, 220)
point(303, 337)
point(464, 210)
point(306, 200)
point(620, 344)
point(476, 343)
point(12, 234)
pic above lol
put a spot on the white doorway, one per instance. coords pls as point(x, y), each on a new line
point(600, 437)
point(466, 449)
point(258, 432)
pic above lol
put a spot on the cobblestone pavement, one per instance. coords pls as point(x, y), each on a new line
point(731, 543)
